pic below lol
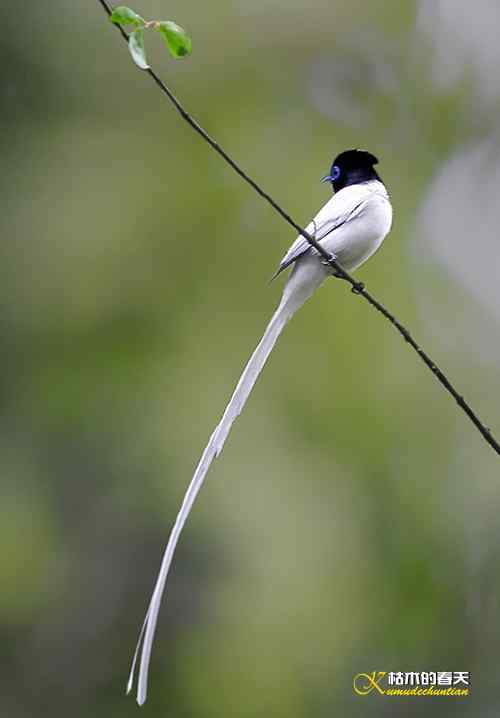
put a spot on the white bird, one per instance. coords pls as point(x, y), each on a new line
point(351, 226)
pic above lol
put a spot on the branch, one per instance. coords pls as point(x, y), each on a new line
point(357, 287)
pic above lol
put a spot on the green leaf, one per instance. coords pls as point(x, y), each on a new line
point(137, 49)
point(176, 38)
point(125, 16)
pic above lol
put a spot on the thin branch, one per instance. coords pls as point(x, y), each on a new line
point(357, 287)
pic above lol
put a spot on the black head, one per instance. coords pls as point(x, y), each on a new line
point(352, 167)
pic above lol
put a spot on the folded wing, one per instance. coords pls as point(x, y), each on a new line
point(341, 208)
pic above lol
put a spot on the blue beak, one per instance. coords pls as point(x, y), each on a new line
point(328, 178)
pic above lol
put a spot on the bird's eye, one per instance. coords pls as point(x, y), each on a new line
point(335, 173)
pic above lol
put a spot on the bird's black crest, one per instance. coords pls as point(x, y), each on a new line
point(351, 159)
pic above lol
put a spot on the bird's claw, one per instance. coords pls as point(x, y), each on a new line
point(327, 262)
point(357, 288)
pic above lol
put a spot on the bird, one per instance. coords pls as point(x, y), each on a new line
point(351, 226)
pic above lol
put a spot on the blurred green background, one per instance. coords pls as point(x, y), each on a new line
point(352, 522)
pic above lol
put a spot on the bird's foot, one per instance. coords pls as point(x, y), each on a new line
point(358, 288)
point(327, 262)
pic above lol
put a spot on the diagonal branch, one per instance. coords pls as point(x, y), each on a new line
point(357, 287)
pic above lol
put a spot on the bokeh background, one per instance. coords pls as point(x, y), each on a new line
point(352, 522)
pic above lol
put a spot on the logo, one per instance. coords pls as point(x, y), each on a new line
point(365, 683)
point(412, 683)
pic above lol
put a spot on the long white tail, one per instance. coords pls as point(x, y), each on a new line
point(288, 306)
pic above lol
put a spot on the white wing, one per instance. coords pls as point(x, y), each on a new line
point(344, 206)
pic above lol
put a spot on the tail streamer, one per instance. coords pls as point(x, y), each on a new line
point(256, 363)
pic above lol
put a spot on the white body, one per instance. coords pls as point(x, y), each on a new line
point(353, 242)
point(360, 237)
point(352, 226)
